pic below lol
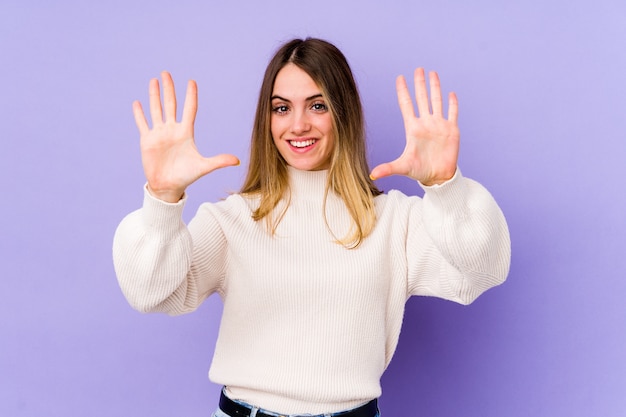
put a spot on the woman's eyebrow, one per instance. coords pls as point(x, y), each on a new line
point(276, 97)
point(313, 97)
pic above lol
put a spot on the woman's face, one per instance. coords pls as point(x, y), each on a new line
point(301, 123)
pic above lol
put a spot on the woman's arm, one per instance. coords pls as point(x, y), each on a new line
point(458, 242)
point(159, 264)
point(466, 247)
point(153, 249)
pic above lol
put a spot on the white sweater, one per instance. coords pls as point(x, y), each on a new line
point(309, 326)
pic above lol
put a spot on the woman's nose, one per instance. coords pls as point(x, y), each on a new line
point(301, 123)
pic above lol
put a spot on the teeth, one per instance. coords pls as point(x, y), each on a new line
point(302, 143)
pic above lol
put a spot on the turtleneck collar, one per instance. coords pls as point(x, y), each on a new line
point(307, 184)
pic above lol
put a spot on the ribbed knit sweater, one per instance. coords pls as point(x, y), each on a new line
point(309, 326)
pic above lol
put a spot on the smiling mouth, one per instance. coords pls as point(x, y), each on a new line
point(302, 143)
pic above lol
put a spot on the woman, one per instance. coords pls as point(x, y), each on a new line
point(313, 263)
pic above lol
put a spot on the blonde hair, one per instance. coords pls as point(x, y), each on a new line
point(349, 171)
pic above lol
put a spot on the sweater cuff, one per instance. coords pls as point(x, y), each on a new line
point(451, 193)
point(161, 218)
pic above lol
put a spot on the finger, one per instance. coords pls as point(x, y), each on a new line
point(435, 94)
point(384, 170)
point(169, 97)
point(453, 108)
point(155, 102)
point(220, 161)
point(380, 171)
point(404, 99)
point(191, 104)
point(140, 118)
point(421, 93)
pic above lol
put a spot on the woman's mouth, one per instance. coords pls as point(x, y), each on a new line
point(302, 143)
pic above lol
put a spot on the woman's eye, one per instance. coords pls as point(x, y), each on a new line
point(319, 107)
point(280, 109)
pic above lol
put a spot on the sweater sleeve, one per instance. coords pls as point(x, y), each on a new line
point(156, 262)
point(467, 248)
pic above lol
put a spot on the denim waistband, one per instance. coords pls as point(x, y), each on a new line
point(241, 409)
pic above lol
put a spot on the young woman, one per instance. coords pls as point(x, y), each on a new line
point(313, 263)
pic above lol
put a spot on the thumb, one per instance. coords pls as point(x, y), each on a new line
point(382, 170)
point(219, 161)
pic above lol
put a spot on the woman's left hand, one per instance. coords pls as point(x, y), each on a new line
point(432, 141)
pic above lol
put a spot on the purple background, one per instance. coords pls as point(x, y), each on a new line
point(541, 86)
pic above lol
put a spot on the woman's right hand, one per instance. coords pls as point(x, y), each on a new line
point(171, 161)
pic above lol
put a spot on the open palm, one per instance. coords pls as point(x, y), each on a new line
point(170, 158)
point(432, 141)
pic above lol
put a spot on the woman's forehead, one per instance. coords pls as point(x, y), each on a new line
point(293, 83)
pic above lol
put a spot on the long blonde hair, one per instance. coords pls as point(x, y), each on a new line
point(349, 171)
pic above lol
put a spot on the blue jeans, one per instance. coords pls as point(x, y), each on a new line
point(254, 410)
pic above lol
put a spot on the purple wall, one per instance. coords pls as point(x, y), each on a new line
point(541, 86)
